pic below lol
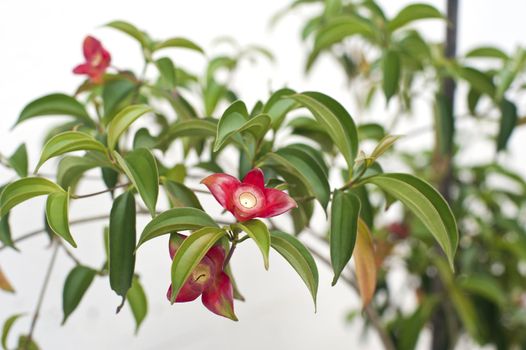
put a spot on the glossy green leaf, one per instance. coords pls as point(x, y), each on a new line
point(258, 231)
point(8, 324)
point(141, 168)
point(57, 208)
point(508, 121)
point(180, 43)
point(69, 141)
point(335, 120)
point(391, 73)
point(55, 104)
point(278, 105)
point(130, 30)
point(138, 302)
point(18, 161)
point(413, 13)
point(427, 204)
point(122, 236)
point(344, 226)
point(71, 168)
point(298, 257)
point(120, 123)
point(24, 189)
point(177, 219)
point(180, 196)
point(190, 253)
point(77, 283)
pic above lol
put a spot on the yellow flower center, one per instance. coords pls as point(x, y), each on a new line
point(248, 200)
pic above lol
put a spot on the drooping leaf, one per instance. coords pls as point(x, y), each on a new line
point(177, 219)
point(69, 141)
point(258, 231)
point(120, 123)
point(344, 225)
point(18, 161)
point(55, 104)
point(130, 30)
point(141, 168)
point(24, 189)
point(122, 236)
point(478, 80)
point(5, 285)
point(57, 208)
point(138, 302)
point(413, 13)
point(77, 283)
point(365, 263)
point(181, 196)
point(299, 258)
point(391, 73)
point(190, 254)
point(427, 204)
point(508, 121)
point(8, 324)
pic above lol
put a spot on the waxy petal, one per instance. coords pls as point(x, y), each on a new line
point(255, 177)
point(278, 202)
point(217, 256)
point(219, 297)
point(189, 292)
point(222, 187)
point(91, 47)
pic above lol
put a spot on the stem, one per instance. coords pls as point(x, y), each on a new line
point(99, 192)
point(41, 297)
point(230, 253)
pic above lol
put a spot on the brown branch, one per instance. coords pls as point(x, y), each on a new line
point(74, 196)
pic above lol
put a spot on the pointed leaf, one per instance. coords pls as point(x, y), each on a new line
point(383, 145)
point(365, 263)
point(71, 168)
point(24, 189)
point(412, 13)
point(258, 231)
point(131, 30)
point(391, 73)
point(180, 196)
point(8, 324)
point(5, 285)
point(120, 123)
point(508, 121)
point(57, 215)
point(138, 302)
point(77, 283)
point(18, 161)
point(181, 43)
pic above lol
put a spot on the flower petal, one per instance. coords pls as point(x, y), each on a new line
point(217, 256)
point(277, 202)
point(255, 177)
point(222, 187)
point(176, 239)
point(201, 278)
point(82, 69)
point(91, 47)
point(219, 297)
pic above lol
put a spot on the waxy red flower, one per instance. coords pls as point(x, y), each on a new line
point(250, 198)
point(97, 60)
point(208, 280)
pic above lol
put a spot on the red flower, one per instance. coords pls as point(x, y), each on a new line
point(208, 280)
point(399, 230)
point(248, 199)
point(97, 60)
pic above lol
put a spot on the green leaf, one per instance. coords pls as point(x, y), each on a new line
point(57, 215)
point(180, 43)
point(445, 124)
point(391, 73)
point(143, 139)
point(486, 286)
point(194, 128)
point(115, 94)
point(413, 13)
point(122, 236)
point(138, 302)
point(487, 52)
point(55, 104)
point(411, 327)
point(26, 343)
point(69, 141)
point(77, 283)
point(336, 121)
point(18, 161)
point(71, 168)
point(190, 253)
point(344, 226)
point(141, 168)
point(120, 123)
point(24, 189)
point(258, 231)
point(365, 263)
point(180, 196)
point(235, 120)
point(508, 121)
point(299, 258)
point(427, 204)
point(278, 105)
point(177, 219)
point(5, 231)
point(478, 80)
point(131, 30)
point(167, 71)
point(383, 145)
point(8, 324)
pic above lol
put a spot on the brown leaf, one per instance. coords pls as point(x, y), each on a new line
point(365, 263)
point(4, 283)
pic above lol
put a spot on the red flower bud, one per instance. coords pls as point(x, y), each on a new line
point(250, 198)
point(208, 280)
point(97, 60)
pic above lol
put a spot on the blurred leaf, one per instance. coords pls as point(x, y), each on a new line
point(485, 286)
point(411, 328)
point(190, 253)
point(55, 104)
point(258, 231)
point(391, 73)
point(413, 13)
point(77, 283)
point(18, 161)
point(25, 343)
point(427, 204)
point(177, 219)
point(371, 131)
point(167, 71)
point(122, 236)
point(24, 189)
point(299, 258)
point(138, 302)
point(383, 145)
point(116, 93)
point(478, 80)
point(141, 168)
point(365, 262)
point(143, 139)
point(445, 124)
point(69, 141)
point(5, 285)
point(8, 324)
point(5, 230)
point(120, 123)
point(487, 52)
point(180, 43)
point(508, 121)
point(180, 196)
point(57, 215)
point(130, 30)
point(344, 225)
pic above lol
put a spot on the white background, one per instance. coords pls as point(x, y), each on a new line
point(40, 42)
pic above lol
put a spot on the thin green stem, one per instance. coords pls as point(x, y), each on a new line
point(74, 196)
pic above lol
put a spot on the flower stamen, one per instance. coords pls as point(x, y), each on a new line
point(248, 200)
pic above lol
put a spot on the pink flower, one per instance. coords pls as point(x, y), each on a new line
point(208, 280)
point(97, 60)
point(250, 198)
